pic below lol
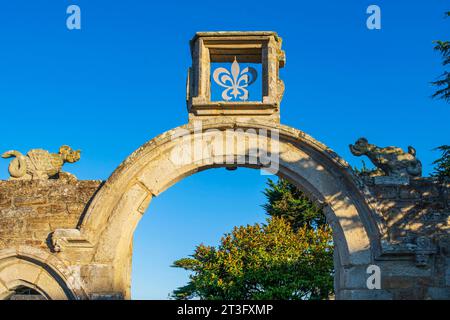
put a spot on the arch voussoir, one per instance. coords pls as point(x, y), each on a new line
point(116, 210)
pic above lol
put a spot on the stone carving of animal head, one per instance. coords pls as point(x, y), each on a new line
point(393, 161)
point(361, 147)
point(69, 155)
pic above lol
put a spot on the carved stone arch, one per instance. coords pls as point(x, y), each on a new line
point(112, 217)
point(38, 270)
point(13, 285)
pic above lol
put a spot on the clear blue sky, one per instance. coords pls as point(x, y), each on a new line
point(120, 81)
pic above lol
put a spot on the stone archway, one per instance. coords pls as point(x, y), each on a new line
point(64, 226)
point(37, 270)
point(112, 217)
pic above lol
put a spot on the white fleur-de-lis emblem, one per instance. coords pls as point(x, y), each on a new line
point(236, 81)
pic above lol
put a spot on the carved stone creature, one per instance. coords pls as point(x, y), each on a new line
point(392, 161)
point(40, 164)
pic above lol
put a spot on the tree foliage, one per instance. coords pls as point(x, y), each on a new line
point(289, 257)
point(443, 82)
point(287, 201)
point(260, 262)
point(442, 165)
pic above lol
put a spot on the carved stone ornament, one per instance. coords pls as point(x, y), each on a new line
point(62, 239)
point(424, 250)
point(40, 164)
point(235, 81)
point(392, 161)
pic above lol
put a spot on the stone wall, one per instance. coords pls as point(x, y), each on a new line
point(31, 210)
point(416, 259)
point(418, 209)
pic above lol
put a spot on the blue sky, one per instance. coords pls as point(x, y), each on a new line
point(120, 80)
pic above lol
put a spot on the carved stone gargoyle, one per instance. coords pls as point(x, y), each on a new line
point(392, 161)
point(40, 164)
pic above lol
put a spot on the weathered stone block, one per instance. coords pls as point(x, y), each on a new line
point(385, 192)
point(30, 200)
point(354, 277)
point(409, 193)
point(365, 295)
point(438, 293)
point(401, 282)
point(417, 293)
point(391, 180)
point(75, 208)
point(106, 296)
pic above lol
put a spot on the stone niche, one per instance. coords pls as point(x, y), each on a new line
point(258, 47)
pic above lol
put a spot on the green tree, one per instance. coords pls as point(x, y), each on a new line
point(263, 261)
point(442, 165)
point(443, 82)
point(285, 200)
point(290, 257)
